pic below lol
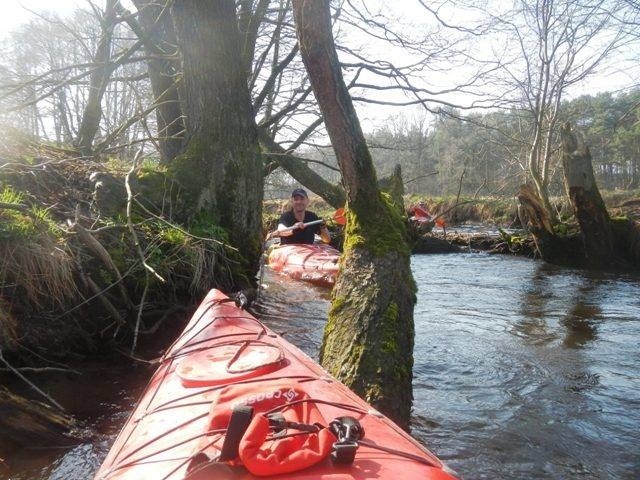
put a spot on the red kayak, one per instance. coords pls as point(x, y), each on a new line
point(233, 400)
point(317, 263)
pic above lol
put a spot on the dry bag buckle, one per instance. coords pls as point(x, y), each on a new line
point(348, 431)
point(279, 425)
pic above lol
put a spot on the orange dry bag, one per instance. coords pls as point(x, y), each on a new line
point(264, 453)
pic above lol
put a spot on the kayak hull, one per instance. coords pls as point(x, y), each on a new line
point(317, 263)
point(178, 428)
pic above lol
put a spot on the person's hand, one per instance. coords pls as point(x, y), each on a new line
point(298, 226)
point(270, 235)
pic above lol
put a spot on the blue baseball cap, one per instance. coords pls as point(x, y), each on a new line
point(299, 192)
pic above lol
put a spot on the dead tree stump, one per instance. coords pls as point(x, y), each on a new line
point(551, 247)
point(587, 203)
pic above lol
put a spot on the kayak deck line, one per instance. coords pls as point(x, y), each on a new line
point(226, 358)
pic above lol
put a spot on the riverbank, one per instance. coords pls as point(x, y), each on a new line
point(453, 241)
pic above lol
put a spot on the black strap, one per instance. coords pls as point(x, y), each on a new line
point(238, 424)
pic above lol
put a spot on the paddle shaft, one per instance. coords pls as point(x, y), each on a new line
point(315, 222)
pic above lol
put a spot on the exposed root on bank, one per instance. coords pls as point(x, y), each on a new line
point(76, 247)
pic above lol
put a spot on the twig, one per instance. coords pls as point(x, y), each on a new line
point(166, 313)
point(421, 176)
point(139, 317)
point(96, 295)
point(136, 241)
point(41, 370)
point(103, 299)
point(96, 247)
point(25, 379)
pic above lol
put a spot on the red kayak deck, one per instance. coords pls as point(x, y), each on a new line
point(225, 357)
point(317, 263)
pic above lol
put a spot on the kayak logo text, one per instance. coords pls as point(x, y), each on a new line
point(288, 396)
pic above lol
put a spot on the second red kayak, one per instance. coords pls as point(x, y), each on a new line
point(317, 263)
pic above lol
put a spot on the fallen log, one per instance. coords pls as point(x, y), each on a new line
point(28, 423)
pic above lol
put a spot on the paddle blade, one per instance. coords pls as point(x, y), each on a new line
point(420, 212)
point(339, 217)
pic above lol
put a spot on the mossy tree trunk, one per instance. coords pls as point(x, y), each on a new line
point(534, 218)
point(368, 341)
point(220, 170)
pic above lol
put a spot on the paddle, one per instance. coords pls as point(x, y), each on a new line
point(338, 217)
point(304, 225)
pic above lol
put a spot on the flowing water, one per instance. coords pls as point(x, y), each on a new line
point(522, 370)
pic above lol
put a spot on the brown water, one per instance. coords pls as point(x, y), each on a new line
point(522, 371)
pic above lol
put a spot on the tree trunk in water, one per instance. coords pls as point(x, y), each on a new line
point(368, 340)
point(157, 33)
point(603, 243)
point(221, 168)
point(586, 201)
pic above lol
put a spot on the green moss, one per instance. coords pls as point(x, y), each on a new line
point(9, 195)
point(119, 257)
point(25, 226)
point(514, 241)
point(205, 224)
point(619, 219)
point(390, 325)
point(337, 304)
point(106, 276)
point(190, 171)
point(564, 229)
point(380, 229)
point(174, 236)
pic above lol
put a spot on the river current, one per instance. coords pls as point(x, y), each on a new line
point(522, 370)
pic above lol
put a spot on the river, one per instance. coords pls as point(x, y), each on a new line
point(522, 370)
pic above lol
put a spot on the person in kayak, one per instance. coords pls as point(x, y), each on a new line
point(296, 217)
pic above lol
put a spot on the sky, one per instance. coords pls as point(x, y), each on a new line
point(18, 12)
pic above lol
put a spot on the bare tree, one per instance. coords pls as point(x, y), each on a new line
point(560, 43)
